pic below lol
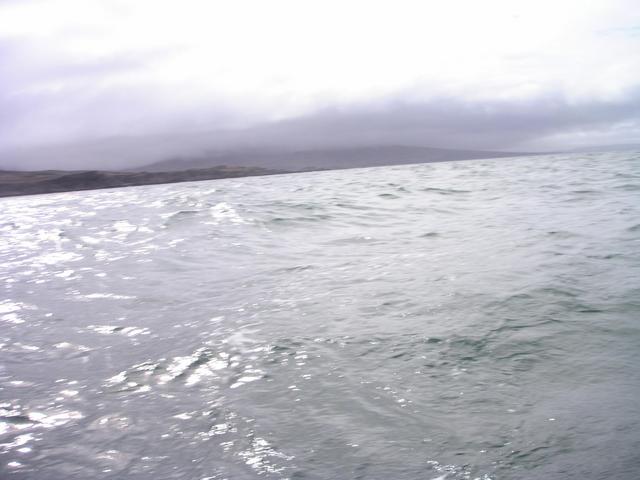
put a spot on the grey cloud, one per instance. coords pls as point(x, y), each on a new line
point(58, 111)
point(444, 122)
point(449, 122)
point(46, 98)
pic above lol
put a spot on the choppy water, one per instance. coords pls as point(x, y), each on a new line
point(453, 321)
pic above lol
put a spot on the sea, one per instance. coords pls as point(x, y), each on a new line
point(451, 321)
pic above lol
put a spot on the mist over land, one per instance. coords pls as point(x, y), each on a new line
point(441, 129)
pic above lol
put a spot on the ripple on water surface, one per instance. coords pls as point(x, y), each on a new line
point(454, 321)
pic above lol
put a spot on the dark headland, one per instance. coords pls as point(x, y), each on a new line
point(229, 165)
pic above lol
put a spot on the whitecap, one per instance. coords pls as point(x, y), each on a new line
point(224, 211)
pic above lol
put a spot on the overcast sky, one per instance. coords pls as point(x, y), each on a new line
point(490, 74)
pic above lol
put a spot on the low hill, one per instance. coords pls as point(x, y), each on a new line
point(321, 159)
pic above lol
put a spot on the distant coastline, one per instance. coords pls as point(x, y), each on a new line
point(218, 165)
point(16, 183)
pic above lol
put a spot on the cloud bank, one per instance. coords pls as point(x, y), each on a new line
point(114, 83)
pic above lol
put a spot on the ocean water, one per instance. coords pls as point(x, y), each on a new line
point(465, 320)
